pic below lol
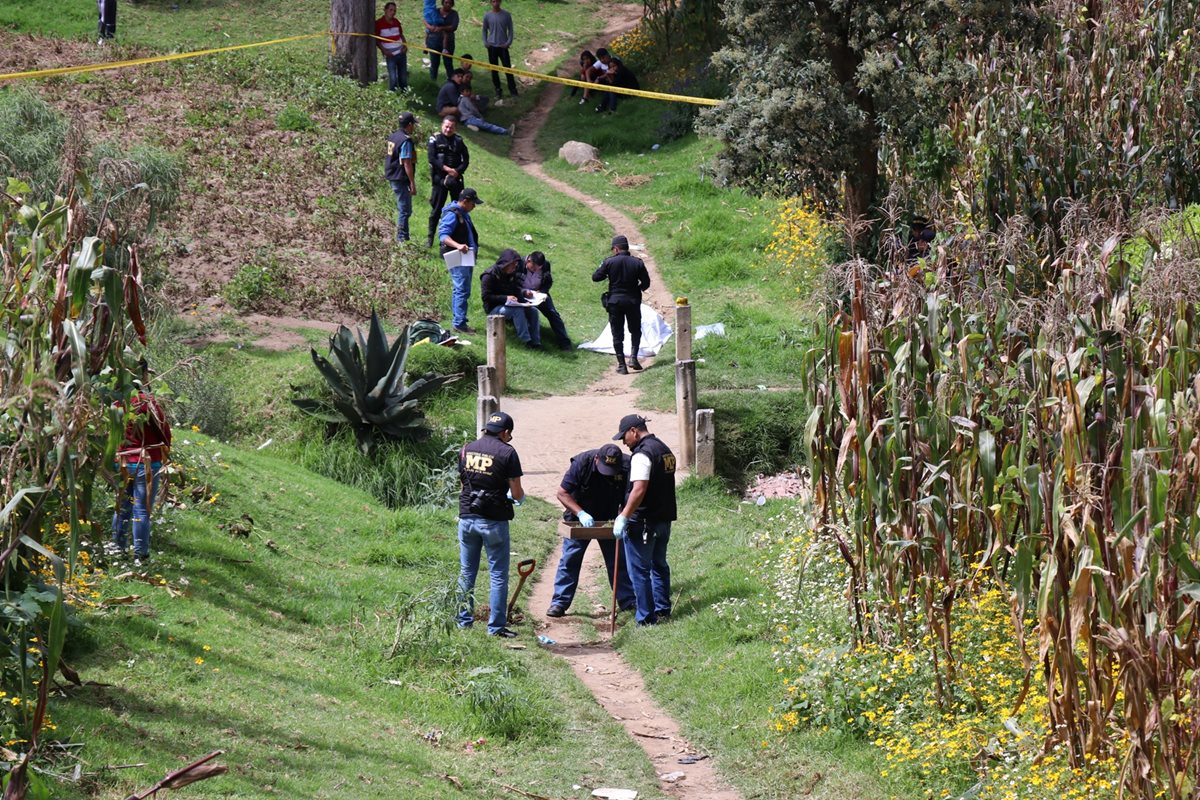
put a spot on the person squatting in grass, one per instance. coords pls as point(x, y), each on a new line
point(399, 168)
point(457, 232)
point(449, 158)
point(394, 47)
point(490, 471)
point(537, 278)
point(501, 291)
point(593, 488)
point(627, 279)
point(644, 524)
point(147, 446)
point(448, 96)
point(498, 38)
point(587, 73)
point(615, 74)
point(440, 25)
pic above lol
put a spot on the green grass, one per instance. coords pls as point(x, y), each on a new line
point(291, 623)
point(718, 676)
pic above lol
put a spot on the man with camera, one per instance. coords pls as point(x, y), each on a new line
point(448, 160)
point(490, 471)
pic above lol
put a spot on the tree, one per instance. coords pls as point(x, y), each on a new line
point(354, 56)
point(819, 87)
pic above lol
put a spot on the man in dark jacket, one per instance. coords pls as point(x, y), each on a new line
point(490, 471)
point(448, 160)
point(627, 279)
point(616, 74)
point(449, 95)
point(592, 489)
point(502, 293)
point(538, 279)
point(399, 168)
point(645, 522)
point(456, 231)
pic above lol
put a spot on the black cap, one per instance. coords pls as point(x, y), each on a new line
point(407, 118)
point(470, 194)
point(629, 421)
point(498, 421)
point(609, 460)
point(620, 242)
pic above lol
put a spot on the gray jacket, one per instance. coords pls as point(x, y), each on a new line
point(497, 29)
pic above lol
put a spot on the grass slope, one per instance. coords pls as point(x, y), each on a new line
point(273, 653)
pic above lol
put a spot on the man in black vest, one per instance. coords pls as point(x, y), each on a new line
point(399, 168)
point(490, 471)
point(593, 488)
point(448, 160)
point(456, 231)
point(645, 521)
point(627, 279)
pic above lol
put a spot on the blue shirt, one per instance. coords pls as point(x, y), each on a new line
point(449, 222)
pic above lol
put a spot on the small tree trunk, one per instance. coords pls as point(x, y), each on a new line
point(354, 56)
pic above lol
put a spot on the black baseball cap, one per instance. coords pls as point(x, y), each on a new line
point(609, 460)
point(630, 421)
point(470, 194)
point(407, 118)
point(620, 242)
point(498, 421)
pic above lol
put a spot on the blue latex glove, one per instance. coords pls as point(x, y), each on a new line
point(515, 501)
point(586, 519)
point(619, 526)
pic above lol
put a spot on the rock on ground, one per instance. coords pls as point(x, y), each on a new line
point(578, 153)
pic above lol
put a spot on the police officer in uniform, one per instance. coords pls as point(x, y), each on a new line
point(399, 168)
point(645, 522)
point(490, 471)
point(627, 279)
point(448, 160)
point(593, 488)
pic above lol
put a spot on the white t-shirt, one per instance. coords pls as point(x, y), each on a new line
point(639, 467)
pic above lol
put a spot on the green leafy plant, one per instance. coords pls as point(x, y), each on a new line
point(370, 390)
point(258, 286)
point(293, 118)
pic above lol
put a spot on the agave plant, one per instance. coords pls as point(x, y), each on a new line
point(369, 390)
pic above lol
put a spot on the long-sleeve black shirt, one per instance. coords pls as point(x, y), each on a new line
point(627, 276)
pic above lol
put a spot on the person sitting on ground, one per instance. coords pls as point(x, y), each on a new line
point(615, 74)
point(586, 74)
point(473, 118)
point(448, 96)
point(480, 102)
point(501, 291)
point(538, 279)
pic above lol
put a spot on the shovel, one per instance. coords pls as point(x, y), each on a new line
point(524, 569)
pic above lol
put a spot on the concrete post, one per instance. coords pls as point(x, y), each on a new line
point(683, 332)
point(496, 353)
point(485, 406)
point(685, 409)
point(706, 441)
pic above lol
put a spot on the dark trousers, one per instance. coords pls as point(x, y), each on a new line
point(608, 101)
point(499, 55)
point(108, 18)
point(556, 321)
point(622, 313)
point(435, 41)
point(437, 199)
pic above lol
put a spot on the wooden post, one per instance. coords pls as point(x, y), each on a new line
point(683, 332)
point(487, 380)
point(495, 353)
point(484, 408)
point(706, 451)
point(685, 408)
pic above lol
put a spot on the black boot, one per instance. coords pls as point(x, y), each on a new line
point(635, 364)
point(621, 368)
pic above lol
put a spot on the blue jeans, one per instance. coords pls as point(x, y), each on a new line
point(475, 534)
point(437, 41)
point(397, 67)
point(403, 208)
point(566, 581)
point(646, 552)
point(556, 321)
point(134, 507)
point(460, 293)
point(525, 320)
point(485, 126)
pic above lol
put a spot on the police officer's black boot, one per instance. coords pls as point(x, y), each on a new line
point(433, 221)
point(634, 363)
point(635, 348)
point(621, 368)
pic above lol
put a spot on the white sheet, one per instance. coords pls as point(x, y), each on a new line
point(655, 333)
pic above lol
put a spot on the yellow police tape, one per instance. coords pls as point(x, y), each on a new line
point(137, 62)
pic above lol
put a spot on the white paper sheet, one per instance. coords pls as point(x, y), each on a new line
point(456, 258)
point(655, 333)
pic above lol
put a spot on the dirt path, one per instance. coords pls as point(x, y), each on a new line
point(564, 426)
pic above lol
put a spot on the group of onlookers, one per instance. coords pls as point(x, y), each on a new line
point(604, 70)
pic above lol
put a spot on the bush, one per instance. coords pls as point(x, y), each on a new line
point(758, 432)
point(32, 136)
point(426, 357)
point(260, 286)
point(504, 708)
point(134, 187)
point(293, 118)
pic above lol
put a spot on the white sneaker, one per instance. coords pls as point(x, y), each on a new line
point(474, 128)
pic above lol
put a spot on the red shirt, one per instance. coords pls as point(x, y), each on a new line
point(146, 430)
point(393, 32)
